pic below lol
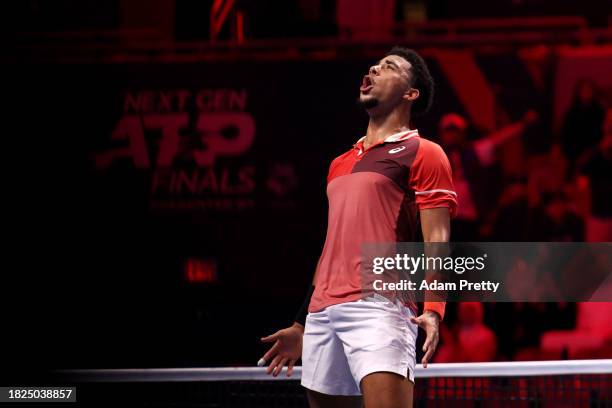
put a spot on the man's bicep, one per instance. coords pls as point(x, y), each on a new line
point(435, 224)
point(432, 180)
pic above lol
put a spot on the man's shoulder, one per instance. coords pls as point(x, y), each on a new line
point(430, 148)
point(342, 156)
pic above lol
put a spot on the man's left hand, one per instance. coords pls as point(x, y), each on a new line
point(430, 322)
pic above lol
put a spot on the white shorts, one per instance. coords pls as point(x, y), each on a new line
point(343, 343)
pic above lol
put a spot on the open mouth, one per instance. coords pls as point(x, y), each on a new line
point(366, 84)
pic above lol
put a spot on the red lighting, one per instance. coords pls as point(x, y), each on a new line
point(200, 271)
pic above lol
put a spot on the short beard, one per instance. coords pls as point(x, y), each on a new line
point(367, 103)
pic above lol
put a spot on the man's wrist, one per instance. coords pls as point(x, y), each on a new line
point(434, 314)
point(436, 307)
point(298, 325)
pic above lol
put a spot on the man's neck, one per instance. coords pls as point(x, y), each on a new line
point(381, 127)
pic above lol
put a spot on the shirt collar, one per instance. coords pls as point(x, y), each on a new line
point(396, 137)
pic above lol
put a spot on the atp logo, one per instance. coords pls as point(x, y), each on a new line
point(152, 133)
point(132, 130)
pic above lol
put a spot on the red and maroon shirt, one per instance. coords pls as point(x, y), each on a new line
point(374, 196)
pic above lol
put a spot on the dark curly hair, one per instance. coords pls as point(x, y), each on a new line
point(421, 79)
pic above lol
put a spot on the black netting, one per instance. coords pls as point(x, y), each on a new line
point(584, 390)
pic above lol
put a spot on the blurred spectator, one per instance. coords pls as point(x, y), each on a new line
point(582, 123)
point(510, 219)
point(477, 341)
point(592, 333)
point(553, 215)
point(547, 174)
point(470, 340)
point(595, 169)
point(555, 220)
point(474, 165)
point(543, 209)
point(521, 339)
point(450, 350)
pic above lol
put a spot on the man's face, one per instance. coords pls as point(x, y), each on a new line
point(386, 83)
point(452, 136)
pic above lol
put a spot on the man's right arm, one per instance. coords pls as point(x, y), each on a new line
point(287, 347)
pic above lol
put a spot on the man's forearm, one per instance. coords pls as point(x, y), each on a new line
point(436, 234)
point(435, 300)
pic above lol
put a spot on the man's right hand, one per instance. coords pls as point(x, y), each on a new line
point(287, 349)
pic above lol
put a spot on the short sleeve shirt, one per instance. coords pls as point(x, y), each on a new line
point(374, 196)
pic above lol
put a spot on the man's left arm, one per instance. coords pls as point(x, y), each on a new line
point(432, 180)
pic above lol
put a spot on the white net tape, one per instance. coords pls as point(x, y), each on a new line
point(495, 369)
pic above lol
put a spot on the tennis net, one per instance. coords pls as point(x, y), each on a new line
point(574, 383)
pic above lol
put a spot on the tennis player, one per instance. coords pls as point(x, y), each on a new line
point(357, 350)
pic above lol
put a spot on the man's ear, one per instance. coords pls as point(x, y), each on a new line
point(411, 95)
